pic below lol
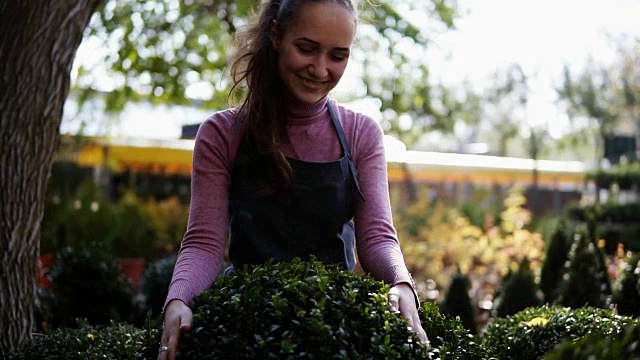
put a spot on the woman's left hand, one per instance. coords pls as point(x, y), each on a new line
point(403, 299)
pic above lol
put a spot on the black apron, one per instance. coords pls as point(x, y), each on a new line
point(312, 216)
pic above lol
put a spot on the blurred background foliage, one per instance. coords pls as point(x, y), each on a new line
point(176, 53)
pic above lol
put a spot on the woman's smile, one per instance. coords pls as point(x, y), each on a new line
point(313, 84)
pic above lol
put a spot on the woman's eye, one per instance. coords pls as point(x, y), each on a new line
point(305, 50)
point(338, 57)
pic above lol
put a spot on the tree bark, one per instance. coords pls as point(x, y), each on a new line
point(38, 43)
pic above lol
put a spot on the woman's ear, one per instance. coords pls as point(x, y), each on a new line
point(273, 35)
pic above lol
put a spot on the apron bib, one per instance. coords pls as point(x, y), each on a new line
point(312, 216)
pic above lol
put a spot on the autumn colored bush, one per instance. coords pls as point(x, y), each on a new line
point(437, 240)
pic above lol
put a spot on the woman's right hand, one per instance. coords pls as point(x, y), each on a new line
point(177, 318)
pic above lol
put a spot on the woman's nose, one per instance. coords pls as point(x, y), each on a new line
point(318, 67)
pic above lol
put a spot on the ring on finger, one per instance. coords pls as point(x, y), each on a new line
point(164, 348)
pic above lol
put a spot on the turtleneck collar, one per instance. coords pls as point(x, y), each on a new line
point(300, 111)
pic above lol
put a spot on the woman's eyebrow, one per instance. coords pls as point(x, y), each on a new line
point(306, 39)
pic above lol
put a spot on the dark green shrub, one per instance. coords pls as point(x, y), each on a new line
point(556, 256)
point(519, 291)
point(298, 309)
point(155, 283)
point(626, 293)
point(532, 332)
point(87, 283)
point(457, 302)
point(585, 279)
point(116, 341)
point(616, 346)
point(448, 337)
point(307, 310)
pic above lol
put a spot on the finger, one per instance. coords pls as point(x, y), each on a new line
point(416, 326)
point(173, 346)
point(162, 354)
point(185, 322)
point(413, 320)
point(170, 339)
point(394, 299)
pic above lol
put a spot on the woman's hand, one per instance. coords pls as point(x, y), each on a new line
point(402, 299)
point(177, 318)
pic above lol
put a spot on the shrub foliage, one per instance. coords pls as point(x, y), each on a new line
point(297, 310)
point(624, 345)
point(532, 332)
point(87, 283)
point(115, 341)
point(626, 293)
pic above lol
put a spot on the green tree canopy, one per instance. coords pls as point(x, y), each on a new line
point(176, 52)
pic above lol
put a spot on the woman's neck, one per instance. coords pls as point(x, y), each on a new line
point(298, 110)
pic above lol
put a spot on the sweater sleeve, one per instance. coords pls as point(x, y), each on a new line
point(202, 252)
point(377, 241)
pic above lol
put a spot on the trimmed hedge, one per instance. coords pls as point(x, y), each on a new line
point(624, 345)
point(533, 332)
point(308, 310)
point(116, 341)
point(297, 310)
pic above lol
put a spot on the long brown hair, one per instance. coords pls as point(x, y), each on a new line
point(254, 73)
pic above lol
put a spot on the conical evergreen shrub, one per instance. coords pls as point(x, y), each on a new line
point(87, 284)
point(155, 284)
point(626, 293)
point(556, 256)
point(585, 279)
point(519, 291)
point(458, 303)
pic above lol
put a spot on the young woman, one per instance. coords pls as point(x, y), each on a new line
point(289, 173)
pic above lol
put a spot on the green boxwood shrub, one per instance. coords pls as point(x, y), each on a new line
point(626, 292)
point(87, 283)
point(307, 310)
point(533, 332)
point(114, 341)
point(297, 310)
point(616, 346)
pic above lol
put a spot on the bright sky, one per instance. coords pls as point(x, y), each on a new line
point(540, 35)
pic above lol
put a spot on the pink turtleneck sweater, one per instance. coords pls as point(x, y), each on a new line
point(312, 137)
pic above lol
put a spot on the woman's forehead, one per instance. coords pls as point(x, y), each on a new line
point(324, 22)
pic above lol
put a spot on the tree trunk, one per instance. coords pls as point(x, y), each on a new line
point(38, 43)
point(409, 185)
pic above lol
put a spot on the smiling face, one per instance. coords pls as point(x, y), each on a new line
point(314, 50)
